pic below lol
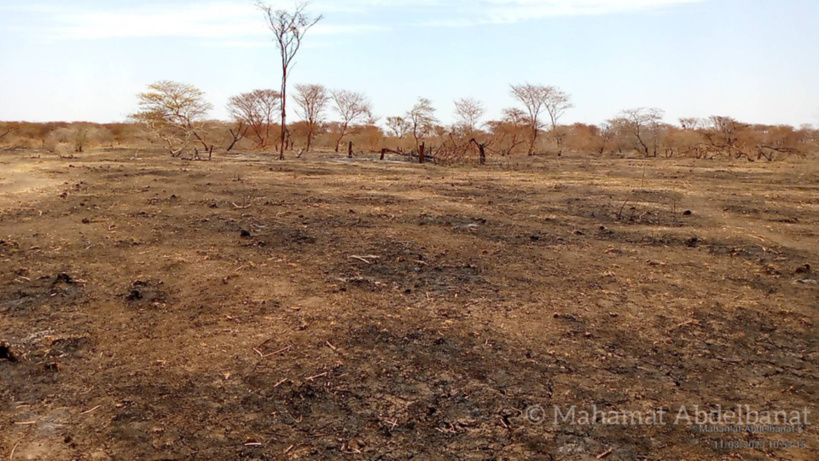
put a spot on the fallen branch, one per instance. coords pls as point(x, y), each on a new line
point(365, 258)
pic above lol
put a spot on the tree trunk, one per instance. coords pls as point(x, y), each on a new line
point(421, 153)
point(341, 136)
point(532, 142)
point(284, 110)
point(309, 137)
point(350, 150)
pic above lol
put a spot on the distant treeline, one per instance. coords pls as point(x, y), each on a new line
point(633, 133)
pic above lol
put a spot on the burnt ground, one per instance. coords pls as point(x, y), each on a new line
point(330, 309)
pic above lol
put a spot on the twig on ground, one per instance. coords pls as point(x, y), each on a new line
point(365, 258)
point(605, 453)
point(282, 350)
point(11, 456)
point(312, 378)
point(89, 411)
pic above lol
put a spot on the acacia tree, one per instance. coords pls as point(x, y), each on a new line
point(539, 98)
point(422, 120)
point(311, 101)
point(556, 102)
point(288, 29)
point(352, 107)
point(398, 126)
point(642, 125)
point(530, 96)
point(175, 113)
point(469, 112)
point(510, 131)
point(256, 111)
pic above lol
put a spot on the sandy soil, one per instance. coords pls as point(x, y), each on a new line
point(325, 309)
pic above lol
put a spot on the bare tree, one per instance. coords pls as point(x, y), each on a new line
point(289, 29)
point(352, 108)
point(557, 102)
point(422, 120)
point(256, 110)
point(175, 113)
point(469, 112)
point(510, 131)
point(530, 96)
point(311, 101)
point(642, 126)
point(539, 98)
point(691, 123)
point(724, 135)
point(399, 126)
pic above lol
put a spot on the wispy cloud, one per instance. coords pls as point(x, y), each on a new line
point(234, 23)
point(239, 23)
point(514, 11)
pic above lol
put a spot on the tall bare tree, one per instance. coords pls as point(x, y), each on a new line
point(539, 98)
point(289, 28)
point(311, 101)
point(175, 113)
point(556, 102)
point(256, 110)
point(469, 112)
point(530, 96)
point(422, 120)
point(352, 107)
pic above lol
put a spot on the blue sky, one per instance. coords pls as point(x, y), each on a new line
point(756, 60)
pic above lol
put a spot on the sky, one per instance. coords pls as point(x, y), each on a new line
point(755, 60)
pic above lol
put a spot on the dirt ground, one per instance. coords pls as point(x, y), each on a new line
point(325, 308)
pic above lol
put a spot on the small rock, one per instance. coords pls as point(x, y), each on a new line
point(6, 352)
point(804, 269)
point(244, 233)
point(62, 277)
point(688, 213)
